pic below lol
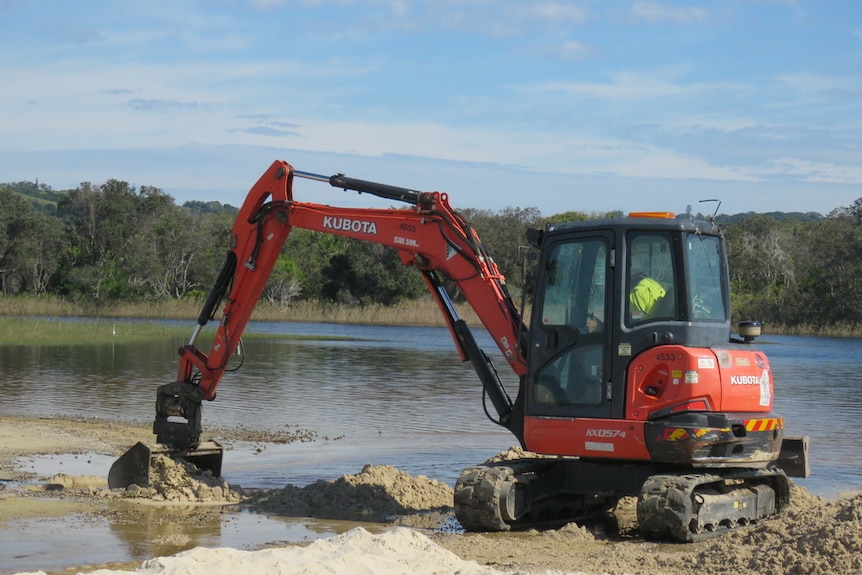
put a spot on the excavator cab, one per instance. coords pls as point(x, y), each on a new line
point(607, 291)
point(634, 378)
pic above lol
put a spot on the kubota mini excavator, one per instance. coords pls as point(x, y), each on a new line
point(630, 380)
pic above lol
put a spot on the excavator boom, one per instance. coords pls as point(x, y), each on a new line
point(429, 235)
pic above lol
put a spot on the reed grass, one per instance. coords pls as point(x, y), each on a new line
point(57, 331)
point(843, 329)
point(422, 312)
point(45, 321)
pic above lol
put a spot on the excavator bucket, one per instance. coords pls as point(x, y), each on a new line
point(133, 467)
point(793, 457)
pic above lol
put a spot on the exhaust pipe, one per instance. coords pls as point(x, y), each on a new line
point(133, 467)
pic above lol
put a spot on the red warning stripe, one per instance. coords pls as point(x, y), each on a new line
point(765, 424)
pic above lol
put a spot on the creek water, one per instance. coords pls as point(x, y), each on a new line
point(381, 395)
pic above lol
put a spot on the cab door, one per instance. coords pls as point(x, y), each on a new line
point(569, 363)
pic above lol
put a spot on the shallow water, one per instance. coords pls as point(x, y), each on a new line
point(388, 395)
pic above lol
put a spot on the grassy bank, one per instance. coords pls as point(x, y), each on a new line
point(15, 330)
point(38, 320)
point(420, 312)
point(423, 312)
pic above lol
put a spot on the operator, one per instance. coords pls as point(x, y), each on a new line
point(594, 324)
point(644, 297)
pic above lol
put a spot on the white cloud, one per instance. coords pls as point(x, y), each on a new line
point(571, 50)
point(818, 172)
point(558, 12)
point(657, 12)
point(620, 86)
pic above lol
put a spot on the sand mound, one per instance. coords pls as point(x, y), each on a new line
point(377, 493)
point(356, 552)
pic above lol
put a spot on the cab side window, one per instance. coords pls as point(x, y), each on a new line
point(650, 278)
point(572, 332)
point(706, 270)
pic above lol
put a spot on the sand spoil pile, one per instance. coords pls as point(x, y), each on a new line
point(377, 493)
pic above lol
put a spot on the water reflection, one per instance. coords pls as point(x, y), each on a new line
point(137, 532)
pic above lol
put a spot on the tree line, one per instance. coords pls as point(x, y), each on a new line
point(115, 242)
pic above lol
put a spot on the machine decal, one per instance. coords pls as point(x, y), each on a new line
point(765, 390)
point(409, 242)
point(744, 380)
point(766, 424)
point(350, 225)
point(691, 376)
point(606, 433)
point(675, 434)
point(681, 433)
point(706, 363)
point(599, 446)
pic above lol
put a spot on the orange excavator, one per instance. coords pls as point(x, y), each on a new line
point(630, 381)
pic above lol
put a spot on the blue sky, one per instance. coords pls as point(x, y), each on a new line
point(583, 105)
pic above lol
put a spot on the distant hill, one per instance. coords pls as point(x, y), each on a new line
point(41, 196)
point(803, 217)
point(45, 199)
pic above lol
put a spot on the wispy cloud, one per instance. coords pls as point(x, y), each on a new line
point(558, 12)
point(152, 105)
point(623, 86)
point(571, 50)
point(661, 12)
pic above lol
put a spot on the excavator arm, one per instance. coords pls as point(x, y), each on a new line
point(429, 235)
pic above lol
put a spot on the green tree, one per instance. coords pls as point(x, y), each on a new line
point(31, 244)
point(762, 271)
point(370, 273)
point(283, 285)
point(829, 267)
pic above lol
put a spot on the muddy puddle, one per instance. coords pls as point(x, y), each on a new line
point(50, 534)
point(46, 527)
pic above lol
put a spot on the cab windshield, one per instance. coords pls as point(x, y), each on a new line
point(705, 270)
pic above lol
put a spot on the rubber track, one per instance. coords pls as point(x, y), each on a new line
point(666, 508)
point(477, 498)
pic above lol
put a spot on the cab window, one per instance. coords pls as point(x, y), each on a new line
point(574, 288)
point(574, 298)
point(651, 277)
point(705, 271)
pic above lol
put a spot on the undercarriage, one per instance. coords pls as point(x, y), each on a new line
point(673, 504)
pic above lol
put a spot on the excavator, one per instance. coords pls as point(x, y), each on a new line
point(630, 380)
